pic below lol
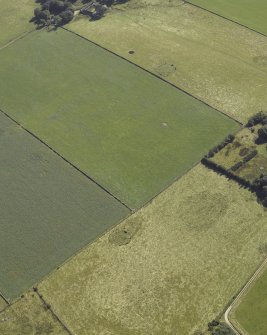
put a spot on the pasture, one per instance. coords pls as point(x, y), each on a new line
point(129, 131)
point(29, 316)
point(250, 13)
point(213, 59)
point(170, 268)
point(49, 211)
point(14, 19)
point(3, 304)
point(250, 314)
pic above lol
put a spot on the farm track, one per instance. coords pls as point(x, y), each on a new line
point(224, 17)
point(254, 277)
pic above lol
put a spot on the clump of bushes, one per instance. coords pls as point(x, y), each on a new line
point(53, 12)
point(259, 118)
point(246, 159)
point(96, 9)
point(229, 139)
point(59, 12)
point(262, 133)
point(219, 328)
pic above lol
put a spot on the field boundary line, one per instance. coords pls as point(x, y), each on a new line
point(66, 160)
point(17, 39)
point(48, 307)
point(4, 298)
point(224, 17)
point(244, 290)
point(153, 74)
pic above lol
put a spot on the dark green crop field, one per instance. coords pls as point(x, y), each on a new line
point(251, 13)
point(48, 210)
point(132, 133)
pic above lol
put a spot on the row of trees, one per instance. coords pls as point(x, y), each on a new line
point(217, 328)
point(60, 12)
point(97, 8)
point(229, 139)
point(259, 118)
point(260, 186)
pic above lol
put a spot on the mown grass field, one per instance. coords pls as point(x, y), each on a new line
point(251, 13)
point(212, 58)
point(48, 210)
point(168, 269)
point(14, 19)
point(250, 314)
point(131, 132)
point(29, 316)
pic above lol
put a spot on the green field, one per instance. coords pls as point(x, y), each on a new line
point(251, 13)
point(170, 268)
point(14, 19)
point(250, 314)
point(48, 210)
point(131, 132)
point(214, 59)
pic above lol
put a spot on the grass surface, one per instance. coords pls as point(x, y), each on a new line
point(3, 304)
point(168, 269)
point(48, 210)
point(212, 58)
point(251, 13)
point(251, 312)
point(28, 316)
point(128, 130)
point(14, 19)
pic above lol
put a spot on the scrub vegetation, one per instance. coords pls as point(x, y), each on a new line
point(244, 157)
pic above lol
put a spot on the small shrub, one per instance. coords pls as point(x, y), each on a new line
point(262, 132)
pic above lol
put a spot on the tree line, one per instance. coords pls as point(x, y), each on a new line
point(60, 12)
